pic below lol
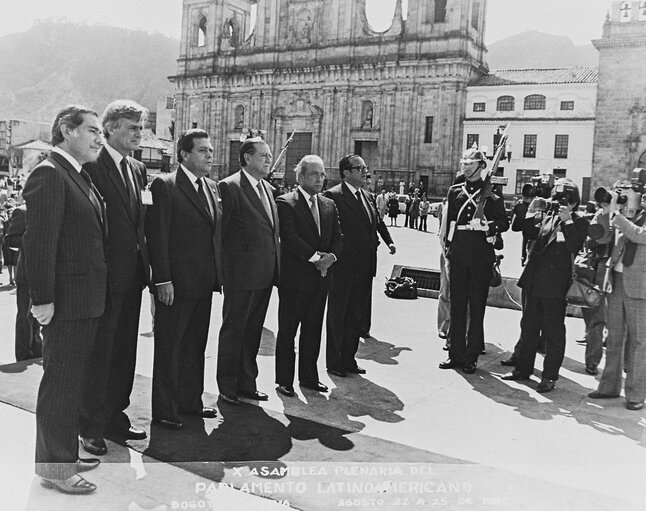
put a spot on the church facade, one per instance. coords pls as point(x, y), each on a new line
point(316, 68)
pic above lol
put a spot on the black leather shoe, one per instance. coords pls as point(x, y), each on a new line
point(231, 399)
point(87, 464)
point(449, 364)
point(286, 390)
point(95, 446)
point(511, 361)
point(365, 335)
point(256, 395)
point(336, 372)
point(442, 335)
point(356, 370)
point(168, 424)
point(317, 386)
point(74, 485)
point(469, 368)
point(206, 413)
point(546, 385)
point(591, 369)
point(634, 405)
point(595, 394)
point(514, 376)
point(447, 345)
point(131, 433)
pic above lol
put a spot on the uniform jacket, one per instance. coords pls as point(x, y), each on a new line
point(300, 240)
point(126, 240)
point(183, 240)
point(64, 243)
point(359, 255)
point(250, 244)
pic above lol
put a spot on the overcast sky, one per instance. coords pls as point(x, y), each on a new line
point(581, 20)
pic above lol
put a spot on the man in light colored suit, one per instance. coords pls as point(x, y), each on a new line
point(65, 257)
point(626, 284)
point(251, 254)
point(183, 235)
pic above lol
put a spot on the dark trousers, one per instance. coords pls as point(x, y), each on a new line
point(346, 311)
point(111, 367)
point(469, 290)
point(546, 315)
point(66, 348)
point(305, 308)
point(28, 341)
point(422, 222)
point(243, 316)
point(181, 332)
point(366, 322)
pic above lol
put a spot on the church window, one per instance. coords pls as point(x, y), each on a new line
point(440, 11)
point(535, 102)
point(239, 117)
point(505, 104)
point(642, 11)
point(475, 14)
point(529, 146)
point(201, 32)
point(561, 146)
point(625, 12)
point(473, 138)
point(479, 107)
point(428, 132)
point(170, 102)
point(367, 113)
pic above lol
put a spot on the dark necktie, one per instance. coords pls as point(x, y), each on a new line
point(363, 206)
point(265, 201)
point(315, 213)
point(130, 191)
point(203, 199)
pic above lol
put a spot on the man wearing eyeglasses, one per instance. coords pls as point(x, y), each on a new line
point(351, 286)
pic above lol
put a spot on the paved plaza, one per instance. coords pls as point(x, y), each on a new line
point(406, 435)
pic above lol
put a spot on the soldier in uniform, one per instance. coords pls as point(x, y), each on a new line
point(470, 251)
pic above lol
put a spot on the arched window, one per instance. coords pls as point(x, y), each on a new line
point(535, 102)
point(505, 104)
point(366, 114)
point(239, 117)
point(625, 12)
point(201, 32)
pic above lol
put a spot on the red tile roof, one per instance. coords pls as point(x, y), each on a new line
point(497, 77)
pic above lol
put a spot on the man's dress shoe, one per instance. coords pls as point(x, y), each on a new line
point(514, 376)
point(74, 485)
point(229, 398)
point(546, 385)
point(87, 464)
point(206, 413)
point(168, 424)
point(94, 446)
point(317, 386)
point(442, 335)
point(356, 370)
point(256, 395)
point(591, 369)
point(449, 364)
point(595, 394)
point(634, 405)
point(286, 390)
point(336, 372)
point(511, 361)
point(365, 335)
point(469, 368)
point(131, 433)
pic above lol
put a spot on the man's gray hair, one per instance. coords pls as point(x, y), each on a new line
point(121, 109)
point(306, 160)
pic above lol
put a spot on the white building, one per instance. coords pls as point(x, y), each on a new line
point(552, 120)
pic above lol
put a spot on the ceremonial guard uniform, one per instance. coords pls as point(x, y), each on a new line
point(470, 252)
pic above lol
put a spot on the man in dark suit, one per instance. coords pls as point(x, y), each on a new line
point(250, 252)
point(310, 238)
point(64, 250)
point(28, 343)
point(357, 265)
point(183, 234)
point(109, 379)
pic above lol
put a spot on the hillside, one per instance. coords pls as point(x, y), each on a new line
point(56, 63)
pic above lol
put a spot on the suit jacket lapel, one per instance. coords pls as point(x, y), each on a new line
point(306, 211)
point(325, 215)
point(184, 184)
point(252, 195)
point(114, 175)
point(351, 199)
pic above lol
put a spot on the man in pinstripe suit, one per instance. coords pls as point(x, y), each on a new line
point(64, 250)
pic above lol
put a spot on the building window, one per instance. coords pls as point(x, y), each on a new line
point(560, 146)
point(440, 11)
point(170, 102)
point(642, 11)
point(505, 104)
point(473, 138)
point(559, 173)
point(201, 32)
point(535, 102)
point(567, 105)
point(479, 107)
point(239, 117)
point(428, 132)
point(523, 177)
point(529, 146)
point(475, 14)
point(626, 12)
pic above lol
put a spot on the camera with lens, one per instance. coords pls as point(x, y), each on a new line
point(543, 185)
point(628, 193)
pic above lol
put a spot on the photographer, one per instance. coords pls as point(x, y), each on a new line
point(518, 219)
point(545, 280)
point(626, 284)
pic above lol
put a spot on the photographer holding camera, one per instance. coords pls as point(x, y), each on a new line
point(625, 284)
point(545, 280)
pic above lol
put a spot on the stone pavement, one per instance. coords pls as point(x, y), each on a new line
point(405, 435)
